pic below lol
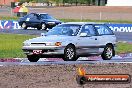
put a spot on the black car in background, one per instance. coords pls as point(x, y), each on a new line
point(38, 20)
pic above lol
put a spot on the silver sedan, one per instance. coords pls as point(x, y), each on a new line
point(72, 40)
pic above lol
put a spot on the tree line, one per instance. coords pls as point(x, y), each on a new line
point(63, 2)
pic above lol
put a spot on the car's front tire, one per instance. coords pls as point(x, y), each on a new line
point(33, 58)
point(70, 53)
point(24, 25)
point(108, 52)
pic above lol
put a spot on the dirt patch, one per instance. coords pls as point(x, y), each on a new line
point(89, 12)
point(58, 76)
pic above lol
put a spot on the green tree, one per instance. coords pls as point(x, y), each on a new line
point(28, 0)
point(58, 2)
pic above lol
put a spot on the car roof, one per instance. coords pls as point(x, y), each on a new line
point(82, 23)
point(39, 13)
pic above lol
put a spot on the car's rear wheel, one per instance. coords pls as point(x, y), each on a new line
point(70, 53)
point(43, 26)
point(108, 52)
point(24, 25)
point(33, 58)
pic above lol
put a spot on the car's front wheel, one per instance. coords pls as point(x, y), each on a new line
point(33, 58)
point(70, 53)
point(24, 25)
point(108, 52)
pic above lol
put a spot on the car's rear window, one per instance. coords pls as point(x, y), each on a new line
point(103, 29)
point(46, 16)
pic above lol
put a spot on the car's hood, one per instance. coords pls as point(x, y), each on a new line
point(51, 20)
point(51, 38)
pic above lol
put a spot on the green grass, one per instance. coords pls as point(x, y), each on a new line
point(11, 46)
point(73, 20)
point(8, 18)
point(124, 48)
point(89, 20)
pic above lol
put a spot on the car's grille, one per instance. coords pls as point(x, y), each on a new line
point(43, 51)
point(38, 44)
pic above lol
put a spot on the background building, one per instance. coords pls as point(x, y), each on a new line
point(119, 3)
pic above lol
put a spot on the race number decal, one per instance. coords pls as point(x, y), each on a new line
point(27, 19)
point(37, 51)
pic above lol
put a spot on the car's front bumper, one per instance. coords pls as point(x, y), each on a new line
point(46, 50)
point(50, 25)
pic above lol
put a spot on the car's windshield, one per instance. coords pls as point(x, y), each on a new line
point(65, 29)
point(46, 16)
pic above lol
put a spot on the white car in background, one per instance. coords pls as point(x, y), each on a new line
point(72, 40)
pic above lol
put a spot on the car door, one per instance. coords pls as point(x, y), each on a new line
point(28, 19)
point(35, 20)
point(87, 41)
point(105, 35)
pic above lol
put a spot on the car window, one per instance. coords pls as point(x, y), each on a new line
point(30, 16)
point(43, 16)
point(88, 29)
point(65, 29)
point(35, 16)
point(49, 17)
point(103, 30)
point(46, 16)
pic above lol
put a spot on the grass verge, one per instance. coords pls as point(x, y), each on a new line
point(89, 20)
point(11, 44)
point(8, 18)
point(73, 20)
point(123, 48)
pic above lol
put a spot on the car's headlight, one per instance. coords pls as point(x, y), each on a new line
point(49, 44)
point(51, 22)
point(54, 44)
